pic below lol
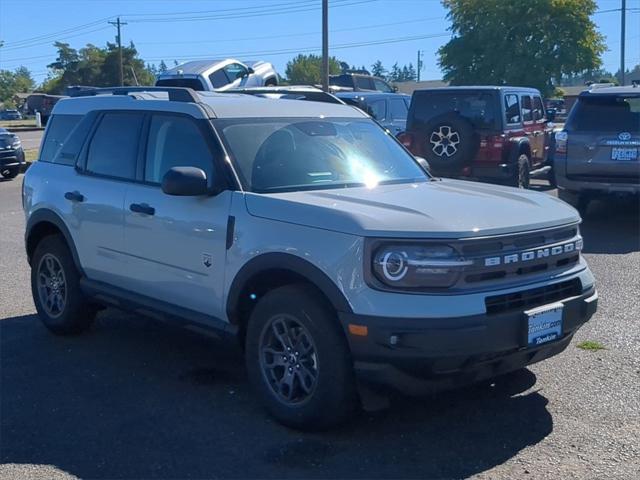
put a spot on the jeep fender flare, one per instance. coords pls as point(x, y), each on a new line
point(518, 146)
point(42, 216)
point(293, 264)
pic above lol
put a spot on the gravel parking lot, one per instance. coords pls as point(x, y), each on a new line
point(138, 399)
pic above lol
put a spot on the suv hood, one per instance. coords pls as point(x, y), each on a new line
point(435, 209)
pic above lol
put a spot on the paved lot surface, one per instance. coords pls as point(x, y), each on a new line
point(135, 399)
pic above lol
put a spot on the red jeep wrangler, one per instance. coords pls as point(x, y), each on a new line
point(496, 134)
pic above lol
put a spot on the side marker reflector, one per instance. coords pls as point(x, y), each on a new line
point(358, 330)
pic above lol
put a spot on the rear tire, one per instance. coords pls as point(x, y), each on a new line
point(521, 177)
point(298, 359)
point(55, 286)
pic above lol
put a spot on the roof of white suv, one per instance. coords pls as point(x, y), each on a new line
point(216, 105)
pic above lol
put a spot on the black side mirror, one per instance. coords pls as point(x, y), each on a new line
point(424, 164)
point(185, 182)
point(551, 114)
point(250, 71)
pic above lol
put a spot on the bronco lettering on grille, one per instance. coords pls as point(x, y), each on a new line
point(537, 253)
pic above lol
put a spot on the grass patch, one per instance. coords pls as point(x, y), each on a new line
point(591, 345)
point(25, 122)
point(31, 155)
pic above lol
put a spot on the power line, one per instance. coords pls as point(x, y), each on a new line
point(310, 48)
point(256, 13)
point(26, 41)
point(48, 42)
point(291, 35)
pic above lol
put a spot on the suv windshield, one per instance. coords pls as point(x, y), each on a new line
point(605, 113)
point(477, 107)
point(276, 154)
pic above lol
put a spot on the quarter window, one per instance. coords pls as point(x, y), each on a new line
point(60, 127)
point(527, 113)
point(175, 141)
point(364, 83)
point(512, 108)
point(114, 147)
point(382, 86)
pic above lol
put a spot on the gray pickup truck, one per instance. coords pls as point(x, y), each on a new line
point(219, 75)
point(305, 231)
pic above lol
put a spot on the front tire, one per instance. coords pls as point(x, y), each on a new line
point(10, 172)
point(55, 286)
point(298, 359)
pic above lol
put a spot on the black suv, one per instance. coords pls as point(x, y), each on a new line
point(488, 133)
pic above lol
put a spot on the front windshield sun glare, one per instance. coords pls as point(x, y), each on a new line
point(274, 155)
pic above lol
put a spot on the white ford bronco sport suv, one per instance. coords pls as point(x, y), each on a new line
point(306, 231)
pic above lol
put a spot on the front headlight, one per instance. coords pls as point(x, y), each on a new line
point(407, 266)
point(16, 142)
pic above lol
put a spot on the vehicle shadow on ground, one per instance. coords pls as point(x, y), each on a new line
point(137, 399)
point(612, 226)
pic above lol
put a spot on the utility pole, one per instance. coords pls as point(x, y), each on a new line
point(623, 13)
point(117, 24)
point(419, 67)
point(325, 45)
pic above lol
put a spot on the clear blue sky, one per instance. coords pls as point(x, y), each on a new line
point(256, 29)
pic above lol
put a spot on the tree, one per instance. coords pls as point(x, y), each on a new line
point(396, 73)
point(306, 69)
point(521, 43)
point(12, 82)
point(96, 66)
point(377, 70)
point(162, 67)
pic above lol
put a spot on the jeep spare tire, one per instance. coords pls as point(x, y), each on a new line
point(450, 143)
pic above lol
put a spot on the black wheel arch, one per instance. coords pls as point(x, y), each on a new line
point(279, 269)
point(45, 222)
point(519, 145)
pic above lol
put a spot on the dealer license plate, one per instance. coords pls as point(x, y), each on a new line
point(544, 324)
point(624, 154)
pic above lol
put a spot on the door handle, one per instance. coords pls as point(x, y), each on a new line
point(142, 208)
point(74, 196)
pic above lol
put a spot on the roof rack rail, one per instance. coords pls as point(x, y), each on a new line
point(176, 94)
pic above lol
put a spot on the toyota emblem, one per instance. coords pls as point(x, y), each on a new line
point(624, 136)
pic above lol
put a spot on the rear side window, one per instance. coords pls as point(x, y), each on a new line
point(341, 81)
point(192, 83)
point(58, 131)
point(175, 141)
point(114, 147)
point(538, 109)
point(218, 79)
point(605, 113)
point(477, 107)
point(398, 109)
point(525, 103)
point(512, 108)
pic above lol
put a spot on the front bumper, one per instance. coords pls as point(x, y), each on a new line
point(420, 356)
point(12, 158)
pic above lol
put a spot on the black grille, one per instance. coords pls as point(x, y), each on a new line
point(536, 297)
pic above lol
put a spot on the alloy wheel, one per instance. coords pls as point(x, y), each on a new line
point(288, 359)
point(52, 285)
point(444, 141)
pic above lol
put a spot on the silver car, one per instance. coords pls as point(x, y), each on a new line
point(304, 231)
point(219, 75)
point(598, 151)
